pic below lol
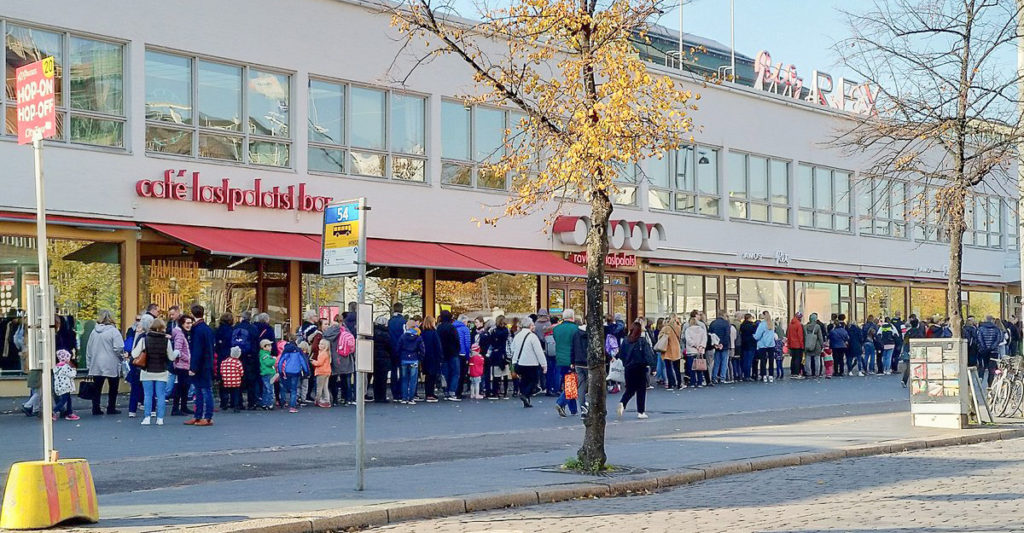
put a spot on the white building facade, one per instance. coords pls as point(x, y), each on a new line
point(198, 143)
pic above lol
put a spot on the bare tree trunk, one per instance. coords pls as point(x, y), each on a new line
point(954, 303)
point(591, 454)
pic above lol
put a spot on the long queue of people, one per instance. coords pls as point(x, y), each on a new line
point(179, 359)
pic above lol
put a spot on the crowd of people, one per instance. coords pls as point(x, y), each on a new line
point(179, 360)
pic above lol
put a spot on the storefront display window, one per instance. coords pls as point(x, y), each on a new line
point(665, 294)
point(488, 296)
point(757, 295)
point(330, 296)
point(886, 301)
point(86, 277)
point(928, 303)
point(817, 297)
point(982, 304)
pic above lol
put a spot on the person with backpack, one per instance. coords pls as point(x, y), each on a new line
point(814, 342)
point(411, 350)
point(989, 338)
point(244, 337)
point(451, 365)
point(292, 366)
point(342, 362)
point(970, 334)
point(887, 340)
point(765, 337)
point(749, 345)
point(795, 342)
point(637, 357)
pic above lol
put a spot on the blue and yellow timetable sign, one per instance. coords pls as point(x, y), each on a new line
point(343, 223)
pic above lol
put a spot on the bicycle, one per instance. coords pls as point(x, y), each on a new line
point(1006, 394)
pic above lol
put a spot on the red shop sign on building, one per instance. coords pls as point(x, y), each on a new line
point(189, 189)
point(619, 260)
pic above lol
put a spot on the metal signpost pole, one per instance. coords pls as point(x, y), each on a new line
point(46, 309)
point(1020, 148)
point(361, 376)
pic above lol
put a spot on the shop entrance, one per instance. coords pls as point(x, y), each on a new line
point(571, 293)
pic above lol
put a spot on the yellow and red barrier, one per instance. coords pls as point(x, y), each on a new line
point(42, 494)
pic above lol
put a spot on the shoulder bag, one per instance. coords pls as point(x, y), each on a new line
point(662, 344)
point(140, 360)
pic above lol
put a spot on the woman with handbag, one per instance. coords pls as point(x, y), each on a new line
point(103, 355)
point(766, 337)
point(637, 357)
point(671, 351)
point(153, 354)
point(529, 359)
point(696, 335)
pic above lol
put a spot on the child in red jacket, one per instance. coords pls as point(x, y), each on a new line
point(231, 372)
point(476, 372)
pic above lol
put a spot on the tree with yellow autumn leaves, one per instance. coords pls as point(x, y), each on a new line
point(592, 111)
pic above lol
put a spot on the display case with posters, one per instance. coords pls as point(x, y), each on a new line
point(938, 384)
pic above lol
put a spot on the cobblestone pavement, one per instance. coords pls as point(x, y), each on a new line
point(960, 488)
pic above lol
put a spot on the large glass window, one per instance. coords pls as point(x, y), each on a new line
point(85, 276)
point(928, 303)
point(981, 304)
point(242, 112)
point(885, 301)
point(825, 198)
point(665, 294)
point(882, 208)
point(685, 180)
point(472, 137)
point(758, 188)
point(757, 295)
point(818, 297)
point(1012, 227)
point(487, 296)
point(364, 131)
point(984, 219)
point(330, 296)
point(928, 226)
point(89, 83)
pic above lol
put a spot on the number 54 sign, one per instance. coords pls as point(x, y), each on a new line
point(342, 238)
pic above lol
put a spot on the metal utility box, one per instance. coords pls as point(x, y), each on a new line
point(939, 385)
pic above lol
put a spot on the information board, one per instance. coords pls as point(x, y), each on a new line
point(343, 228)
point(938, 382)
point(34, 86)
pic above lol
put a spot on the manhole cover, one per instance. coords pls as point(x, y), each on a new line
point(613, 470)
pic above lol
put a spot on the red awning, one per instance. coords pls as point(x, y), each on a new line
point(81, 222)
point(381, 252)
point(245, 243)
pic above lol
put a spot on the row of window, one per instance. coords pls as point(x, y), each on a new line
point(216, 110)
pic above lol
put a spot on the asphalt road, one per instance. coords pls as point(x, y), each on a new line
point(127, 457)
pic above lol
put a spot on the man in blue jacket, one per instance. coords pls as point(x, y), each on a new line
point(396, 328)
point(450, 348)
point(201, 368)
point(465, 350)
point(989, 337)
point(839, 341)
point(855, 355)
point(720, 327)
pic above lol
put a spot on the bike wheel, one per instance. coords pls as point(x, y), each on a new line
point(1016, 398)
point(1002, 398)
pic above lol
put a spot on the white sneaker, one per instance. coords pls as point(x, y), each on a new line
point(131, 414)
point(145, 421)
point(764, 379)
point(620, 409)
point(642, 416)
point(159, 421)
point(861, 374)
point(771, 379)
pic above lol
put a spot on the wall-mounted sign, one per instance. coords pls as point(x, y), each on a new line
point(619, 260)
point(189, 189)
point(622, 234)
point(844, 95)
point(780, 256)
point(941, 270)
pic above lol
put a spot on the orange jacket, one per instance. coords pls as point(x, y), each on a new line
point(322, 363)
point(795, 334)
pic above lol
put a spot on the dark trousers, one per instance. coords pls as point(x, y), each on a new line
point(553, 383)
point(528, 376)
point(346, 387)
point(796, 361)
point(897, 353)
point(253, 385)
point(672, 374)
point(765, 362)
point(429, 385)
point(396, 380)
point(111, 393)
point(234, 397)
point(380, 382)
point(636, 383)
point(839, 356)
point(499, 386)
point(464, 378)
point(179, 396)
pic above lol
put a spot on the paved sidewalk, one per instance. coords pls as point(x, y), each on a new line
point(290, 502)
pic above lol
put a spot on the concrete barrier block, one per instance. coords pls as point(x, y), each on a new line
point(559, 493)
point(501, 500)
point(640, 484)
point(349, 520)
point(821, 457)
point(776, 461)
point(428, 509)
point(680, 477)
point(726, 468)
